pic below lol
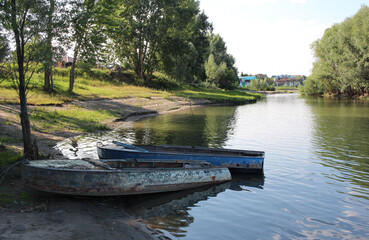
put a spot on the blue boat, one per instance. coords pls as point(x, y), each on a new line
point(237, 161)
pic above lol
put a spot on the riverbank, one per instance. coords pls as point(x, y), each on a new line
point(62, 217)
point(48, 131)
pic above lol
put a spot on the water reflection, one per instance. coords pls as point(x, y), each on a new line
point(199, 126)
point(170, 212)
point(341, 137)
point(317, 158)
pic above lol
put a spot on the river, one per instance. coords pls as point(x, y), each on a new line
point(316, 177)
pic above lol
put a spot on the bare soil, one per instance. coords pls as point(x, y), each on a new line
point(28, 215)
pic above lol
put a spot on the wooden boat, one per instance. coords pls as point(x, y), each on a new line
point(241, 161)
point(119, 177)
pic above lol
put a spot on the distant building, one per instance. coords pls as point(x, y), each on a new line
point(65, 62)
point(246, 80)
point(261, 76)
point(288, 80)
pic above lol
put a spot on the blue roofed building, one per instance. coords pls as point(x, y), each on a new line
point(246, 80)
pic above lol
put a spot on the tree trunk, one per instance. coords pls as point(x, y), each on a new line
point(71, 73)
point(29, 149)
point(49, 55)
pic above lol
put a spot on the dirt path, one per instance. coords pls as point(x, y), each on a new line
point(25, 215)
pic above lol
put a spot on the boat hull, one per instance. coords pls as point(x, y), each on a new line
point(96, 182)
point(237, 161)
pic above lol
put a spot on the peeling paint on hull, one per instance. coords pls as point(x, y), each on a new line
point(124, 181)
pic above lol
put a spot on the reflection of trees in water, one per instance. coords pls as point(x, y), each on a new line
point(341, 137)
point(170, 211)
point(206, 126)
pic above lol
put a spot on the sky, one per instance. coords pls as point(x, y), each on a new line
point(273, 37)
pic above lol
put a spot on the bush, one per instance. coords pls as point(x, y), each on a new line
point(99, 74)
point(262, 85)
point(162, 82)
point(63, 72)
point(311, 87)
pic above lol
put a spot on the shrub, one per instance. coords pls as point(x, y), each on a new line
point(162, 81)
point(262, 85)
point(311, 87)
point(63, 72)
point(99, 74)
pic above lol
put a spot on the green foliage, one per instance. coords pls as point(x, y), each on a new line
point(342, 58)
point(262, 85)
point(4, 47)
point(99, 74)
point(311, 87)
point(219, 68)
point(161, 81)
point(184, 49)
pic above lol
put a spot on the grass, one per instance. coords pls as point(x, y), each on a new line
point(84, 89)
point(77, 119)
point(167, 96)
point(7, 140)
point(7, 156)
point(286, 88)
point(73, 119)
point(6, 198)
point(235, 96)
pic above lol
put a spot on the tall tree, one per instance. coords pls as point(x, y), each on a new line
point(87, 35)
point(4, 47)
point(342, 58)
point(25, 19)
point(48, 86)
point(4, 53)
point(184, 48)
point(220, 69)
point(146, 28)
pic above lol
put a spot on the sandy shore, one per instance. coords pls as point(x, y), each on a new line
point(25, 215)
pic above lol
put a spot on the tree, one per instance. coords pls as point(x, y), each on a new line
point(342, 57)
point(49, 56)
point(4, 47)
point(183, 51)
point(220, 68)
point(4, 53)
point(25, 20)
point(149, 33)
point(54, 38)
point(87, 35)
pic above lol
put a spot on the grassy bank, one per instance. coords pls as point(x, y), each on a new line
point(54, 114)
point(87, 88)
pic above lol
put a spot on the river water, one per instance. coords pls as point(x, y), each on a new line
point(315, 183)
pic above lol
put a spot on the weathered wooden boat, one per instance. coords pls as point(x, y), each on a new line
point(119, 177)
point(241, 161)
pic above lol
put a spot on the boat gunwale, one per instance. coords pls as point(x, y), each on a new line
point(227, 152)
point(124, 170)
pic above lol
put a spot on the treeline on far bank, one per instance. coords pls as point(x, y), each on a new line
point(342, 59)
